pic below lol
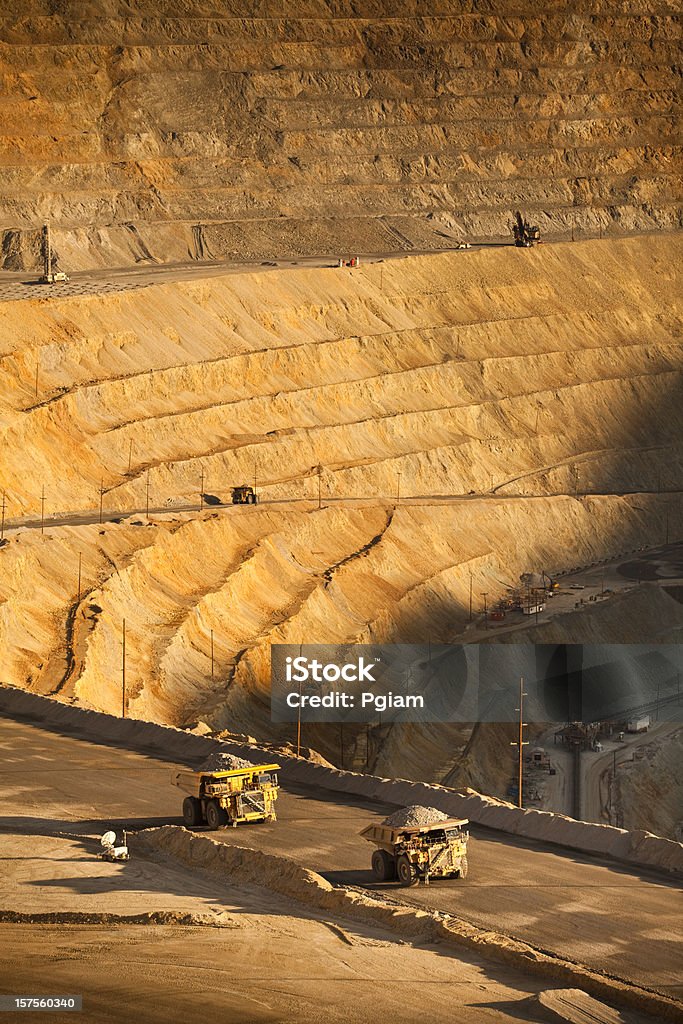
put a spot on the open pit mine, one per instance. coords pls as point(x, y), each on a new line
point(332, 323)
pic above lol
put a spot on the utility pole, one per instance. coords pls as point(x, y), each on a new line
point(37, 372)
point(42, 510)
point(80, 559)
point(201, 491)
point(2, 521)
point(520, 743)
point(212, 663)
point(147, 493)
point(320, 498)
point(130, 455)
point(123, 672)
point(486, 611)
point(398, 488)
point(101, 497)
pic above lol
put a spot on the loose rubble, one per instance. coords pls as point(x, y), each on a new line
point(415, 815)
point(223, 762)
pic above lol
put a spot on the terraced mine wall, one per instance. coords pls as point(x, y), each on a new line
point(637, 847)
point(527, 404)
point(150, 131)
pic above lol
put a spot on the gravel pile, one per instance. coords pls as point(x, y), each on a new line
point(222, 762)
point(414, 816)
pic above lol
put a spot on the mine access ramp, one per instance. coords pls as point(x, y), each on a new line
point(221, 798)
point(417, 853)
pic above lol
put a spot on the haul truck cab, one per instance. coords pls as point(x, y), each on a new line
point(228, 797)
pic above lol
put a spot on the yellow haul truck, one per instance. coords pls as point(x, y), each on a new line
point(228, 797)
point(412, 853)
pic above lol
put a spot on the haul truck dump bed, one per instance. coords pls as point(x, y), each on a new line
point(419, 852)
point(228, 797)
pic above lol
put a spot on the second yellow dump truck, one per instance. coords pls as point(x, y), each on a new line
point(223, 798)
point(414, 853)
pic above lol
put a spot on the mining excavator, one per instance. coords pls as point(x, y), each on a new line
point(524, 233)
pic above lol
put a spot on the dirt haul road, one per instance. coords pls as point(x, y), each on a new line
point(580, 907)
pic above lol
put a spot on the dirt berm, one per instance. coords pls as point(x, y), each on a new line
point(289, 879)
point(637, 847)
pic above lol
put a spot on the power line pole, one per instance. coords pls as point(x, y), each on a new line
point(320, 498)
point(520, 743)
point(37, 372)
point(101, 497)
point(42, 510)
point(147, 493)
point(2, 521)
point(486, 611)
point(201, 491)
point(123, 672)
point(130, 454)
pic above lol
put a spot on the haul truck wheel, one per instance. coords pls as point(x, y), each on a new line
point(407, 874)
point(463, 868)
point(216, 816)
point(192, 811)
point(383, 867)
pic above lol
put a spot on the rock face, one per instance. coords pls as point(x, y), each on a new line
point(546, 382)
point(193, 129)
